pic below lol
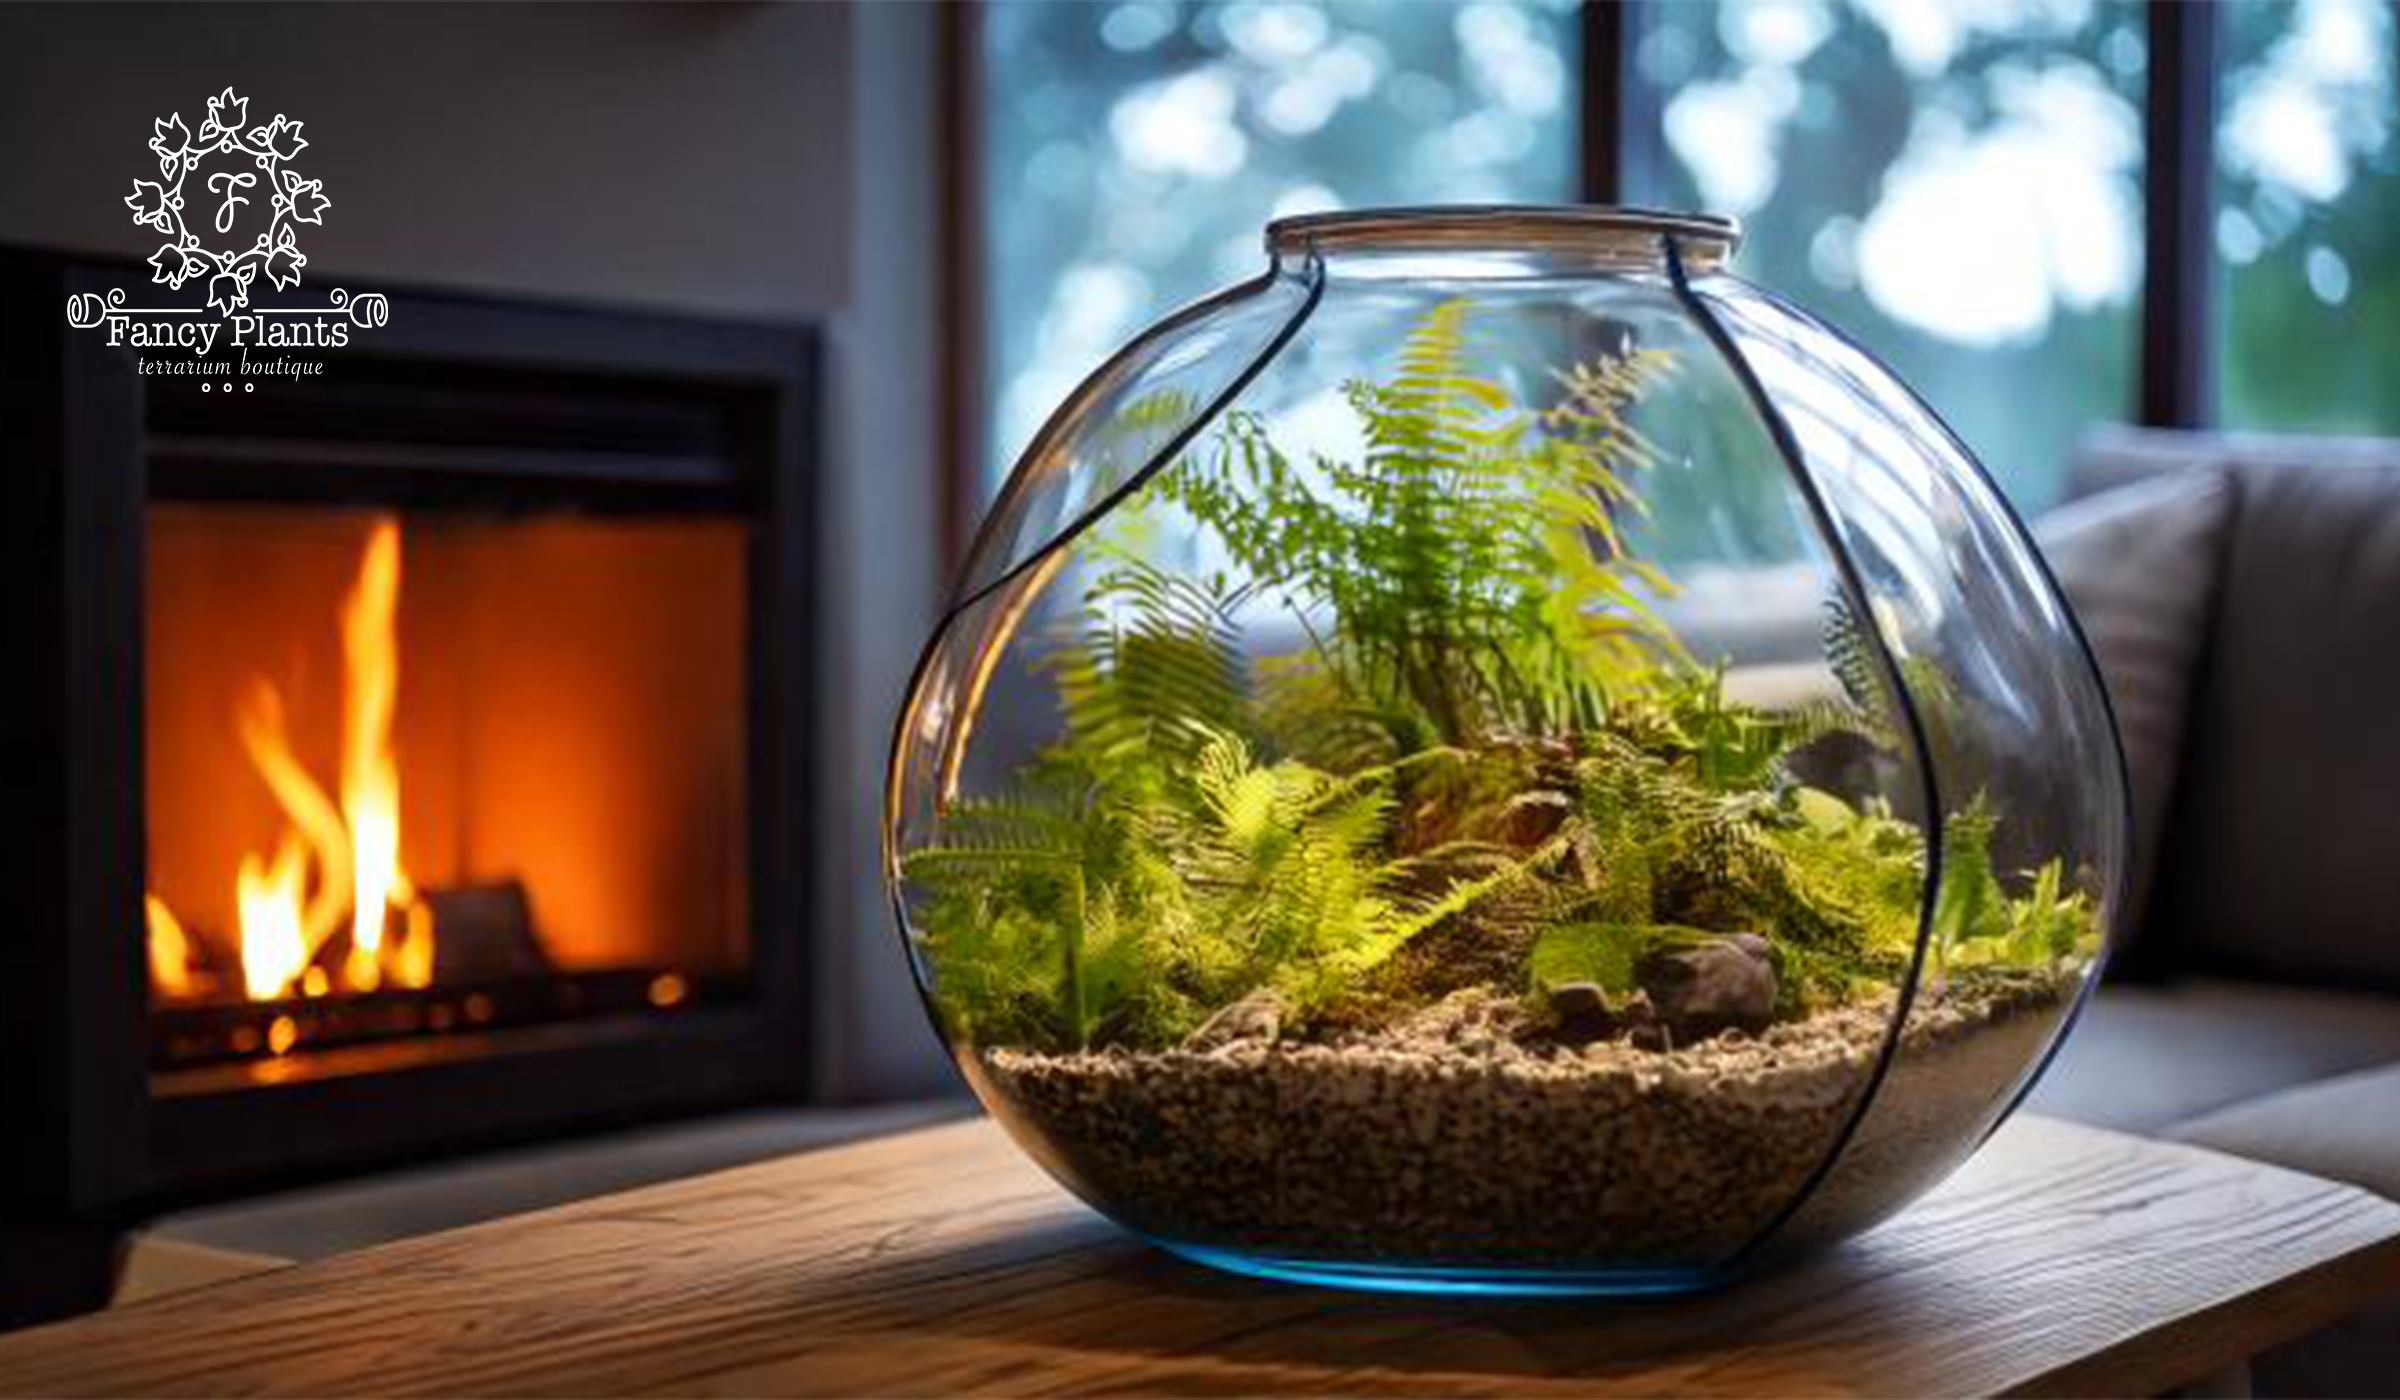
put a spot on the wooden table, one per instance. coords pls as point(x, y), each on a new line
point(2063, 1259)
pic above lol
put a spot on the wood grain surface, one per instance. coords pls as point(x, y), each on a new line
point(2061, 1260)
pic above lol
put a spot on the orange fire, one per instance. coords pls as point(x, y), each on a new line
point(333, 864)
point(170, 949)
point(370, 779)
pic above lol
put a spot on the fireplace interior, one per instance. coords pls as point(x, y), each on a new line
point(411, 775)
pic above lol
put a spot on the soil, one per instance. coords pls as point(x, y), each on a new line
point(1461, 1136)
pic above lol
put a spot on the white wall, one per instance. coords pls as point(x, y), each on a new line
point(755, 161)
point(885, 540)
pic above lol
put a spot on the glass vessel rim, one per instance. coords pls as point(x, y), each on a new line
point(1614, 229)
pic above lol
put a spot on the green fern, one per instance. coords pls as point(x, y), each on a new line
point(1492, 760)
point(1004, 911)
point(1971, 904)
point(2049, 923)
point(1155, 667)
point(1470, 562)
point(1053, 924)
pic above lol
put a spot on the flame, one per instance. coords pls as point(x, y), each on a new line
point(170, 949)
point(274, 949)
point(259, 720)
point(353, 849)
point(412, 958)
point(370, 779)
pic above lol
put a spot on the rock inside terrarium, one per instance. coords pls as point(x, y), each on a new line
point(1482, 922)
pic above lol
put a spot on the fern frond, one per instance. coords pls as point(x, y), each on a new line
point(1156, 666)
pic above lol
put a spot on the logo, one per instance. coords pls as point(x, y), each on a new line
point(230, 200)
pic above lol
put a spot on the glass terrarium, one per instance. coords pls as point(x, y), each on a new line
point(1499, 755)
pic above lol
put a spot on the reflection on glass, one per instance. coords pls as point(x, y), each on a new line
point(1959, 186)
point(1135, 148)
point(2308, 216)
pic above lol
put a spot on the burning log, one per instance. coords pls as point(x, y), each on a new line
point(486, 933)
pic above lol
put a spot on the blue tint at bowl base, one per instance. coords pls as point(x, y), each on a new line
point(1455, 1280)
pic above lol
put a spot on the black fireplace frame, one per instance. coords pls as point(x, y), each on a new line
point(458, 400)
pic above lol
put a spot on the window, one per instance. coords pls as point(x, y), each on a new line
point(1963, 187)
point(1956, 186)
point(1134, 151)
point(2307, 227)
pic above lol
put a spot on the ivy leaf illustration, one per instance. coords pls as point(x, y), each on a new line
point(170, 266)
point(282, 136)
point(229, 290)
point(227, 112)
point(168, 133)
point(284, 264)
point(308, 200)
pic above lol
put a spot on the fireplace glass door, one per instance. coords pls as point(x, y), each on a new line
point(417, 778)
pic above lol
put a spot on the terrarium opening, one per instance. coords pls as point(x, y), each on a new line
point(1501, 241)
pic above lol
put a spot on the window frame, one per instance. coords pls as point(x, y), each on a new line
point(1620, 133)
point(962, 246)
point(2176, 359)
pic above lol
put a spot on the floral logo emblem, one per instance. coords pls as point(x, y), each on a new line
point(268, 148)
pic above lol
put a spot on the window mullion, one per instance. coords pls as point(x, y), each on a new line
point(2178, 383)
point(1605, 99)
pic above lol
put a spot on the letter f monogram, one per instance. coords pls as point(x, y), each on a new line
point(229, 181)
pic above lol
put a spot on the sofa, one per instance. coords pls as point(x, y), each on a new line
point(2242, 596)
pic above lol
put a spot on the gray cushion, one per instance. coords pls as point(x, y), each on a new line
point(2139, 564)
point(2346, 1128)
point(2283, 851)
point(2110, 456)
point(2145, 1058)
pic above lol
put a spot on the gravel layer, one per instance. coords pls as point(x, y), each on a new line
point(1459, 1138)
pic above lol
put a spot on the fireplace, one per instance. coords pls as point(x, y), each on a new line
point(406, 774)
point(408, 759)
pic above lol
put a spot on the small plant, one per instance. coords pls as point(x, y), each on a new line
point(1493, 764)
point(2049, 924)
point(1472, 561)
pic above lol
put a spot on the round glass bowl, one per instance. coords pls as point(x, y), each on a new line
point(1501, 756)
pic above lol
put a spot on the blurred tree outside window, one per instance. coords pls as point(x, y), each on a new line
point(1134, 152)
point(1957, 186)
point(2307, 228)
